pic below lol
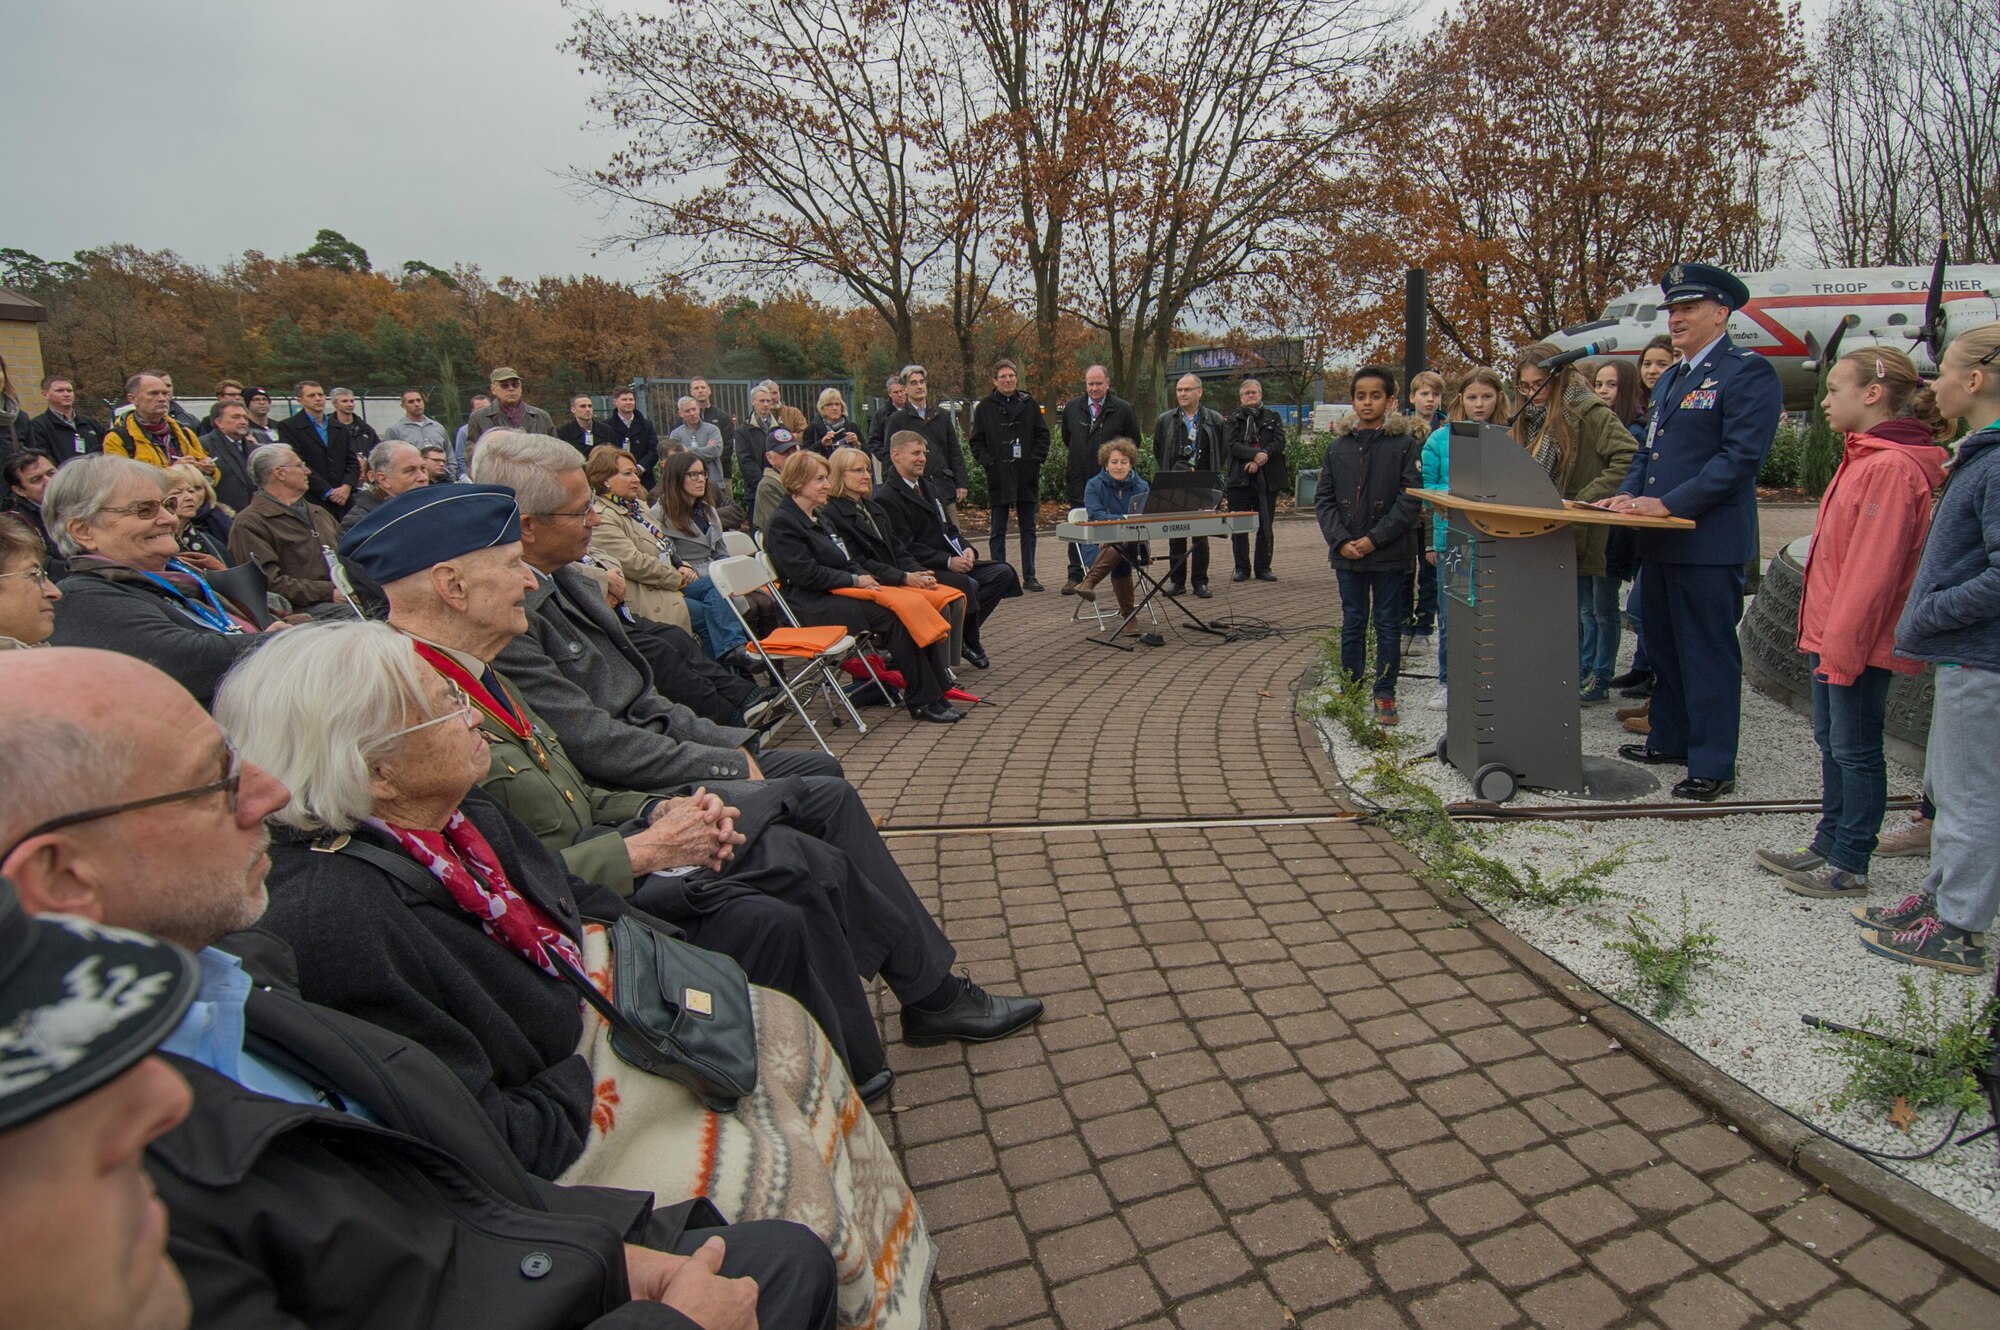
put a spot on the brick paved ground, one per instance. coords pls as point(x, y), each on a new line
point(1274, 1077)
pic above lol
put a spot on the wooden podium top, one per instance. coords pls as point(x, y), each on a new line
point(1516, 520)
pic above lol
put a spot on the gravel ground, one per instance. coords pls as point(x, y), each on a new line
point(1782, 955)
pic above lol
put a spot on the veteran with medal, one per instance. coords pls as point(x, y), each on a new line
point(1714, 416)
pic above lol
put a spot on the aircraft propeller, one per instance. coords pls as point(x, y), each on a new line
point(1931, 333)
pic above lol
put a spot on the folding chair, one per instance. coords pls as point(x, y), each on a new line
point(817, 651)
point(739, 543)
point(1096, 607)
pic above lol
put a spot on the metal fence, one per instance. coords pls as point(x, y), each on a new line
point(658, 398)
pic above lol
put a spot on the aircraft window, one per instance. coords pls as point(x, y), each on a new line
point(1647, 313)
point(1779, 288)
point(1898, 320)
point(1617, 311)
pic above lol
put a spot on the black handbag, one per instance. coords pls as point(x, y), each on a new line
point(675, 1009)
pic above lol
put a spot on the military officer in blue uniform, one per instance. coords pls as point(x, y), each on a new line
point(1715, 415)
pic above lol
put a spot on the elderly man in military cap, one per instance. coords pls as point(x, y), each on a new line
point(815, 898)
point(329, 1173)
point(82, 1009)
point(1714, 416)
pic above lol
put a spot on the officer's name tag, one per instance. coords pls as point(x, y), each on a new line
point(1701, 399)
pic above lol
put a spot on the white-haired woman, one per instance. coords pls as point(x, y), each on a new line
point(833, 429)
point(131, 587)
point(473, 966)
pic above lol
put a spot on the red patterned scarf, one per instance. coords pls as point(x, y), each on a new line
point(460, 858)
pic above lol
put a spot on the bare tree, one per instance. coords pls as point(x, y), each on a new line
point(1902, 145)
point(1229, 132)
point(769, 140)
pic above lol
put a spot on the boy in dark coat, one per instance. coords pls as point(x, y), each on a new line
point(1368, 515)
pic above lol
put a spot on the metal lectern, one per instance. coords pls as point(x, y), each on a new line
point(1507, 580)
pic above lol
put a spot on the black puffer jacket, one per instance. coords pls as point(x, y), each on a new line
point(1364, 486)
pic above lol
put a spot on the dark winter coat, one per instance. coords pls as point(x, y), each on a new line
point(1252, 430)
point(805, 553)
point(872, 539)
point(115, 608)
point(282, 1213)
point(944, 462)
point(639, 439)
point(1953, 613)
point(1364, 486)
point(1082, 437)
point(1170, 441)
point(62, 440)
point(374, 948)
point(233, 486)
point(1010, 441)
point(332, 464)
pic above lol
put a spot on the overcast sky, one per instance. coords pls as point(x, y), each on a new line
point(420, 129)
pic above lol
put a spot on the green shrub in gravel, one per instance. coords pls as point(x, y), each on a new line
point(1883, 1066)
point(1667, 963)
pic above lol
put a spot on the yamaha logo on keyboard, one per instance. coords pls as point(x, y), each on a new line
point(1176, 528)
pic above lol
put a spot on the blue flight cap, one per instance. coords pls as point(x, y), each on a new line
point(1703, 281)
point(429, 524)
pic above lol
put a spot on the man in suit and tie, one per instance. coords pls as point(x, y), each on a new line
point(229, 443)
point(1188, 438)
point(1714, 418)
point(919, 513)
point(1089, 421)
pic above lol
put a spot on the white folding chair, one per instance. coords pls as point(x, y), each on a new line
point(1096, 607)
point(738, 544)
point(817, 675)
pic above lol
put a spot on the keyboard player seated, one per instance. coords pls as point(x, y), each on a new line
point(1117, 490)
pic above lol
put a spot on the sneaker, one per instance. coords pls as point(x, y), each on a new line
point(1933, 942)
point(1596, 688)
point(1827, 883)
point(1440, 700)
point(1802, 860)
point(1416, 643)
point(1911, 836)
point(1385, 712)
point(1894, 918)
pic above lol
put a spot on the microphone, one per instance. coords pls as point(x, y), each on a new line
point(1564, 358)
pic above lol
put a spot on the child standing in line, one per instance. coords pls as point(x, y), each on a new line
point(1866, 542)
point(1482, 397)
point(1369, 518)
point(1427, 394)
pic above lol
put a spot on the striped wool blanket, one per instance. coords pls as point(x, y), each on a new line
point(800, 1147)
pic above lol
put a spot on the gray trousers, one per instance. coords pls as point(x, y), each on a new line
point(1962, 770)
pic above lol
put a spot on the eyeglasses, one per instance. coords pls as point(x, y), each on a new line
point(42, 580)
point(584, 512)
point(145, 510)
point(461, 709)
point(231, 782)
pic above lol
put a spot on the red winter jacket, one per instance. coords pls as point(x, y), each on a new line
point(1865, 547)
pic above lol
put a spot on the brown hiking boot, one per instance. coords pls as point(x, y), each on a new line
point(1634, 713)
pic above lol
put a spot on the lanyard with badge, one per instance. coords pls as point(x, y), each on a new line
point(212, 615)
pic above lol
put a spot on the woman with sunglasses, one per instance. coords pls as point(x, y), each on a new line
point(131, 587)
point(27, 595)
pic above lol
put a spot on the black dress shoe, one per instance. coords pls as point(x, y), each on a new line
point(875, 1086)
point(1030, 584)
point(1240, 575)
point(976, 658)
point(1643, 688)
point(1267, 577)
point(1175, 588)
point(1702, 788)
point(1201, 591)
point(976, 1017)
point(938, 713)
point(1630, 677)
point(1647, 757)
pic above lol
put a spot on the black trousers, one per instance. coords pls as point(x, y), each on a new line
point(1178, 560)
point(1260, 500)
point(687, 674)
point(797, 1281)
point(923, 667)
point(890, 931)
point(1026, 512)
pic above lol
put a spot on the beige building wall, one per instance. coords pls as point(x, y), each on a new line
point(21, 347)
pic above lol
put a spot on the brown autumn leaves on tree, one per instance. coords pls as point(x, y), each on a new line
point(1254, 165)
